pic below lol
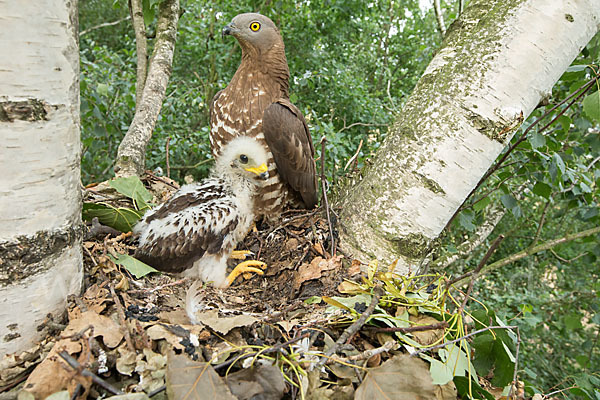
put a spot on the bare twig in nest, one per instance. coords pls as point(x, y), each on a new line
point(365, 355)
point(150, 174)
point(275, 349)
point(418, 328)
point(324, 194)
point(355, 327)
point(167, 157)
point(122, 322)
point(84, 372)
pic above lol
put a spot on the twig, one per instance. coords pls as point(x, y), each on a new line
point(73, 363)
point(324, 194)
point(481, 263)
point(365, 355)
point(538, 232)
point(78, 389)
point(475, 274)
point(199, 163)
point(88, 30)
point(149, 173)
point(123, 323)
point(516, 364)
point(90, 255)
point(167, 155)
point(409, 329)
point(358, 124)
point(157, 391)
point(355, 156)
point(477, 332)
point(352, 329)
point(275, 349)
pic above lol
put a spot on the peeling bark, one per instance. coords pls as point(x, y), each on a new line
point(497, 61)
point(40, 197)
point(131, 155)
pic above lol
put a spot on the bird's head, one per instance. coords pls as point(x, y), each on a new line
point(254, 32)
point(244, 157)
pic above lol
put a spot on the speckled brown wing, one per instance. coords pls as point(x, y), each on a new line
point(289, 140)
point(193, 222)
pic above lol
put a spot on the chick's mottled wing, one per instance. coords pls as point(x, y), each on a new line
point(289, 140)
point(193, 222)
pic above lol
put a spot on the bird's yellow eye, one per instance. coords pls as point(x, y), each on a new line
point(255, 26)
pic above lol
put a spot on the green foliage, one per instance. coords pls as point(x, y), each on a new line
point(133, 265)
point(343, 58)
point(121, 218)
point(549, 187)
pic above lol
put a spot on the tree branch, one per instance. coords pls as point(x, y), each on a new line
point(439, 16)
point(93, 28)
point(132, 150)
point(141, 48)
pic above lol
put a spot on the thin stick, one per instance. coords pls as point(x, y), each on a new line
point(167, 151)
point(103, 25)
point(352, 329)
point(365, 355)
point(275, 349)
point(73, 363)
point(355, 156)
point(516, 364)
point(123, 323)
point(324, 194)
point(477, 270)
point(161, 179)
point(409, 329)
point(481, 263)
point(477, 332)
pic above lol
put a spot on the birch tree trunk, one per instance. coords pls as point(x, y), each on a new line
point(40, 204)
point(497, 61)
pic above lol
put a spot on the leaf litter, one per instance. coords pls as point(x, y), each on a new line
point(265, 337)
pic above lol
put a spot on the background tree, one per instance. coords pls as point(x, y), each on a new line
point(40, 202)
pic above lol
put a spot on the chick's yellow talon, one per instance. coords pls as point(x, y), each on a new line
point(245, 267)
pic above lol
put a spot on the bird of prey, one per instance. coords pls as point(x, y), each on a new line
point(196, 230)
point(256, 103)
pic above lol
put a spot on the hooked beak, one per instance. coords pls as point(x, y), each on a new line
point(229, 30)
point(262, 171)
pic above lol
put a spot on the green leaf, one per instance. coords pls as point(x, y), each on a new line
point(481, 204)
point(133, 265)
point(508, 201)
point(102, 89)
point(572, 321)
point(591, 106)
point(122, 219)
point(471, 390)
point(542, 189)
point(149, 11)
point(133, 188)
point(558, 161)
point(537, 140)
point(465, 219)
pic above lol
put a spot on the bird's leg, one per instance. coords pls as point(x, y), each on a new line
point(246, 266)
point(240, 254)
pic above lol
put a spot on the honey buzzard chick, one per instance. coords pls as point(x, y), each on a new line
point(197, 229)
point(256, 104)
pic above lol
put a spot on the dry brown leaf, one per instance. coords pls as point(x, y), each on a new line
point(160, 331)
point(54, 374)
point(264, 382)
point(400, 378)
point(348, 287)
point(187, 379)
point(445, 392)
point(426, 338)
point(354, 268)
point(224, 324)
point(95, 298)
point(103, 326)
point(314, 270)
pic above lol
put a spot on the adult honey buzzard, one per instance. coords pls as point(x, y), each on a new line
point(256, 104)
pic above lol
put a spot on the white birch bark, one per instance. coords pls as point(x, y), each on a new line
point(40, 205)
point(497, 62)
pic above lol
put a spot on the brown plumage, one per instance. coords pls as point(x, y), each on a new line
point(256, 104)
